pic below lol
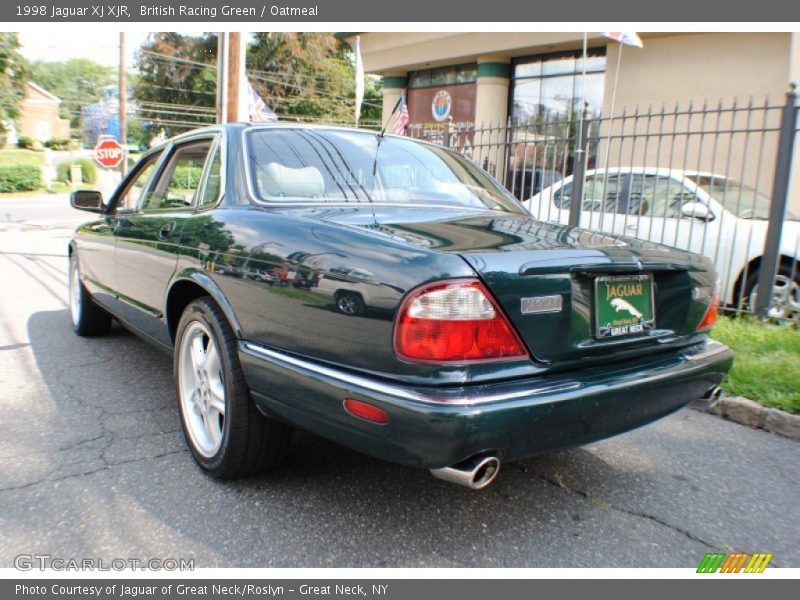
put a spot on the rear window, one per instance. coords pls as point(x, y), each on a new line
point(320, 166)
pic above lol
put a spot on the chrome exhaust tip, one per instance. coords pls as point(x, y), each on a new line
point(713, 394)
point(475, 473)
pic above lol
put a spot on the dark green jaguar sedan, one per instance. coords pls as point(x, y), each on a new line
point(386, 294)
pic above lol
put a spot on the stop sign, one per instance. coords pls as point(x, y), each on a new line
point(108, 153)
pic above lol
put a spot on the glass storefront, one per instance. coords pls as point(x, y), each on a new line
point(550, 87)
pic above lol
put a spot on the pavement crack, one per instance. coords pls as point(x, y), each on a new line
point(558, 482)
point(82, 442)
point(107, 465)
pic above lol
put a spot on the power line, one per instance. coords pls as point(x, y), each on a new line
point(320, 92)
point(178, 59)
point(261, 76)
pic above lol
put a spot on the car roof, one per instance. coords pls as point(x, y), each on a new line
point(242, 126)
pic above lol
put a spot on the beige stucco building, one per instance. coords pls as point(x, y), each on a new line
point(671, 67)
point(486, 78)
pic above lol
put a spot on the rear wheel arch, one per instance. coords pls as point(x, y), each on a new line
point(184, 290)
point(753, 266)
point(741, 281)
point(342, 292)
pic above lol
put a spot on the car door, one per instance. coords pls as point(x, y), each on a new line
point(148, 238)
point(98, 240)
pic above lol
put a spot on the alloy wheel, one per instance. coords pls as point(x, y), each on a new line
point(202, 388)
point(75, 295)
point(348, 304)
point(785, 300)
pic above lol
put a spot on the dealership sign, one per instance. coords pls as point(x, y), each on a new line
point(441, 105)
point(108, 153)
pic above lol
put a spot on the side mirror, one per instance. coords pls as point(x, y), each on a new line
point(697, 210)
point(87, 200)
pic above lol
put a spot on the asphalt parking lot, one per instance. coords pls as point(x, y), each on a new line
point(93, 464)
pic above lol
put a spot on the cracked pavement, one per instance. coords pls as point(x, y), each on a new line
point(93, 464)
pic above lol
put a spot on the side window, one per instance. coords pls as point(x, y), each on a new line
point(648, 195)
point(563, 197)
point(213, 185)
point(655, 196)
point(681, 195)
point(659, 196)
point(599, 194)
point(178, 185)
point(132, 197)
point(603, 193)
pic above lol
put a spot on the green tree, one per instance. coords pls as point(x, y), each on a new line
point(79, 82)
point(310, 76)
point(176, 79)
point(13, 76)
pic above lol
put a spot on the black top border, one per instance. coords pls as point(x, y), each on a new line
point(361, 11)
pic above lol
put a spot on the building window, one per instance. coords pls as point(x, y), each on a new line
point(551, 86)
point(444, 76)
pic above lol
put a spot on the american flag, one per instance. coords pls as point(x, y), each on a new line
point(258, 109)
point(401, 117)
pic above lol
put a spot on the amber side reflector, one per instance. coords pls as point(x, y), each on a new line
point(366, 411)
point(712, 312)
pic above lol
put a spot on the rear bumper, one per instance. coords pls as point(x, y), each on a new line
point(437, 427)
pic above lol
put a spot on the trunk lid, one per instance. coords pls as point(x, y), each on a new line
point(527, 264)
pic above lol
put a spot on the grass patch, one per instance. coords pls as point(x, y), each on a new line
point(21, 157)
point(767, 364)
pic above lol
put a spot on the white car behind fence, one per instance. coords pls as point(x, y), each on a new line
point(696, 211)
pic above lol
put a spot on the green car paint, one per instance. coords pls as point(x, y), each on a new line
point(277, 269)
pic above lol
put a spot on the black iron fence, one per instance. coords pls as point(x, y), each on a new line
point(720, 180)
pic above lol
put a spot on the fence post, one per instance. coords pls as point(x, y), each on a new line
point(446, 135)
point(579, 174)
point(780, 193)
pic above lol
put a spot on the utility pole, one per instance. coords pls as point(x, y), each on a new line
point(231, 80)
point(235, 68)
point(123, 99)
point(222, 77)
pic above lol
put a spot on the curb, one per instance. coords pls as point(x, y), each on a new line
point(745, 411)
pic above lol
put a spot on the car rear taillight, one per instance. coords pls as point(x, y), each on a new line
point(454, 321)
point(712, 312)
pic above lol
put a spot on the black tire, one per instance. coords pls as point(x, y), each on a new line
point(88, 319)
point(784, 270)
point(251, 443)
point(350, 303)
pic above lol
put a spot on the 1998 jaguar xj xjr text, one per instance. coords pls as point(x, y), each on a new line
point(386, 294)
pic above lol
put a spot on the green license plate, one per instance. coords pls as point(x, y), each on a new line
point(623, 305)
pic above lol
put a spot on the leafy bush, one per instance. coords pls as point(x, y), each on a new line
point(57, 144)
point(187, 178)
point(25, 142)
point(88, 170)
point(20, 178)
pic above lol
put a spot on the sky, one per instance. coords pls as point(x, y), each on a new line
point(101, 46)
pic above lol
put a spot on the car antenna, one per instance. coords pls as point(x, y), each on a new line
point(389, 120)
point(397, 104)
